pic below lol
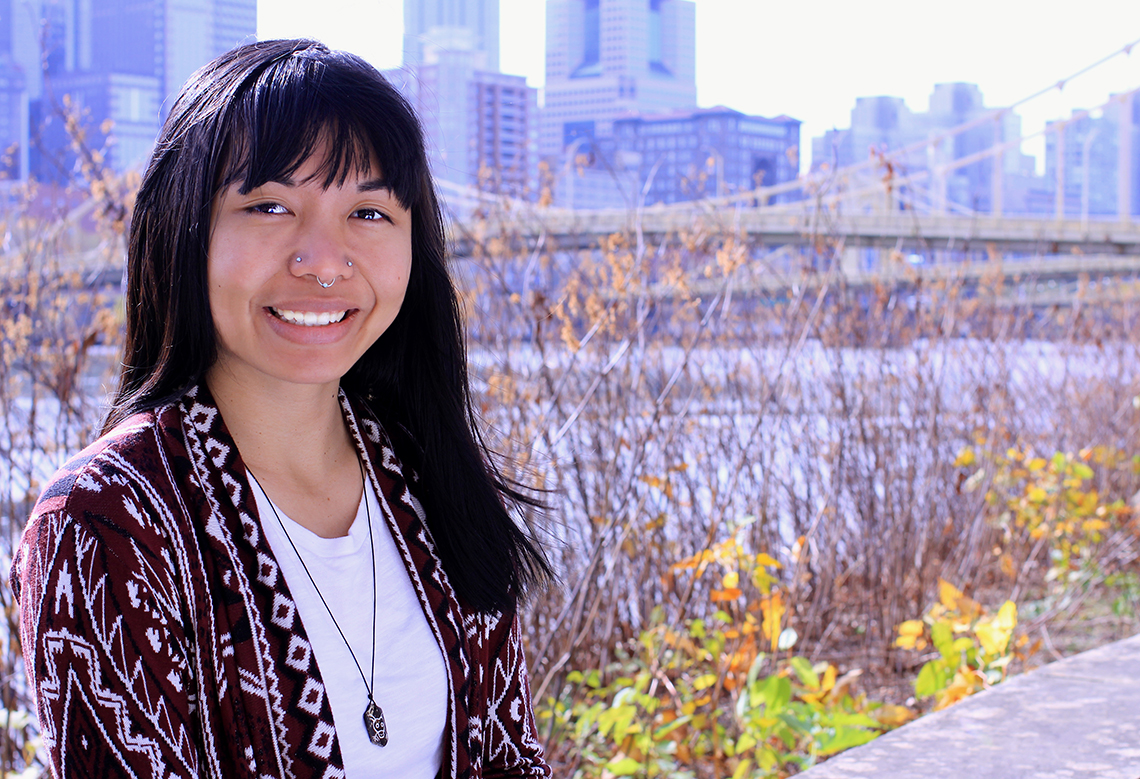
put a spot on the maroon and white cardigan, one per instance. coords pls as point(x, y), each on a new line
point(161, 638)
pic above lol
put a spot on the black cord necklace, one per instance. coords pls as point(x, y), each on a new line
point(373, 714)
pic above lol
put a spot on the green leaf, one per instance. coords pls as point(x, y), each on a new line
point(845, 738)
point(804, 670)
point(843, 719)
point(943, 638)
point(624, 766)
point(769, 758)
point(754, 669)
point(1083, 471)
point(794, 722)
point(704, 681)
point(669, 727)
point(774, 692)
point(962, 644)
point(742, 769)
point(929, 680)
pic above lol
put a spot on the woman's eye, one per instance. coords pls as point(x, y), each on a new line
point(268, 208)
point(370, 214)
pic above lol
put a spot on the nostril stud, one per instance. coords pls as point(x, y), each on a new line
point(298, 259)
point(350, 263)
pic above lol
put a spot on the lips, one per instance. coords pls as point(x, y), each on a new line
point(308, 318)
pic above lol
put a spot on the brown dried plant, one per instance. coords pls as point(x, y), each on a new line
point(671, 390)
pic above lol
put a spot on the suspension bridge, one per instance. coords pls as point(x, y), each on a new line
point(871, 206)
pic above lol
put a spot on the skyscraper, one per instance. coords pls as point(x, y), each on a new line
point(424, 20)
point(1083, 157)
point(481, 125)
point(885, 124)
point(118, 62)
point(607, 58)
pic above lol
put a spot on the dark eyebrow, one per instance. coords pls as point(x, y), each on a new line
point(372, 186)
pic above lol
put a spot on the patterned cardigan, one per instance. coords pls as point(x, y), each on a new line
point(162, 640)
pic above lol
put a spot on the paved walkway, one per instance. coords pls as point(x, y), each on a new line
point(1075, 718)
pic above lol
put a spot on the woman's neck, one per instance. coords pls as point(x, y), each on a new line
point(293, 438)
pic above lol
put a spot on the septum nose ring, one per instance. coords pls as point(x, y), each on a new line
point(318, 278)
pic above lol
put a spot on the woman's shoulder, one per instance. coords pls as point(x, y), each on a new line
point(115, 495)
point(114, 463)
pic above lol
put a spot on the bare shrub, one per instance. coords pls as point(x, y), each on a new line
point(669, 389)
point(60, 335)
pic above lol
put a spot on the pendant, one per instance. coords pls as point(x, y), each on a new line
point(374, 724)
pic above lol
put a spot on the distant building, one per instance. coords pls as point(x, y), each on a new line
point(607, 58)
point(885, 124)
point(425, 19)
point(481, 125)
point(879, 123)
point(118, 62)
point(707, 152)
point(1082, 156)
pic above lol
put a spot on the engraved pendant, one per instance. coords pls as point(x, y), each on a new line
point(374, 724)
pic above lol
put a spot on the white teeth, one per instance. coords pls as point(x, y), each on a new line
point(309, 318)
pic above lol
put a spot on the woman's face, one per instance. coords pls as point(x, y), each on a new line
point(268, 249)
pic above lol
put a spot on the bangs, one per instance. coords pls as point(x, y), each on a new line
point(319, 101)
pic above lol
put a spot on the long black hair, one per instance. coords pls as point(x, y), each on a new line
point(254, 115)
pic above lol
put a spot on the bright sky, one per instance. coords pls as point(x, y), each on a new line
point(810, 60)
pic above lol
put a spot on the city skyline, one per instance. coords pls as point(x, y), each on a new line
point(1006, 51)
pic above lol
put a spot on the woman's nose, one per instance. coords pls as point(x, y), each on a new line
point(322, 257)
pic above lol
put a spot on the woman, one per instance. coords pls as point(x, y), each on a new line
point(288, 555)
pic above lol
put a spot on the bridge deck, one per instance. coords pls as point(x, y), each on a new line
point(799, 224)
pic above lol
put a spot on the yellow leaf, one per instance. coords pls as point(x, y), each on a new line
point(893, 716)
point(995, 633)
point(828, 678)
point(720, 596)
point(965, 458)
point(812, 698)
point(703, 682)
point(912, 627)
point(1036, 464)
point(767, 561)
point(1007, 616)
point(1037, 494)
point(699, 561)
point(948, 594)
point(730, 580)
point(773, 608)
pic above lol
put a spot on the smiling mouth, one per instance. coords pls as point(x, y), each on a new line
point(308, 318)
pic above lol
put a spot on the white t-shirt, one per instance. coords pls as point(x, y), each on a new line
point(410, 683)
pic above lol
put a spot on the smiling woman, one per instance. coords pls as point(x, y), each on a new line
point(350, 609)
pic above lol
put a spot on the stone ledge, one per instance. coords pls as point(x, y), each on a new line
point(1076, 718)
